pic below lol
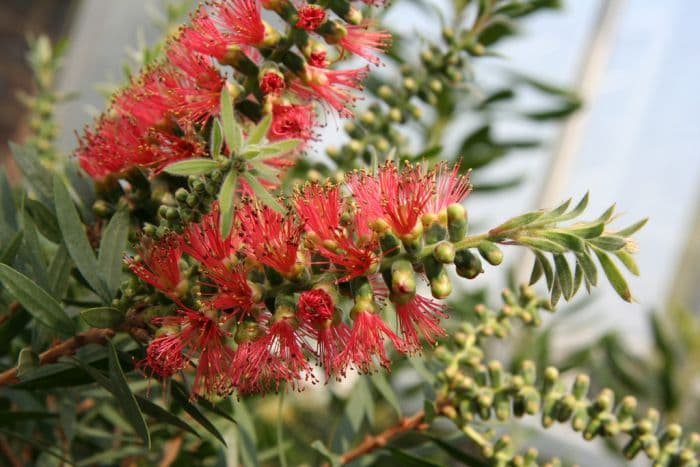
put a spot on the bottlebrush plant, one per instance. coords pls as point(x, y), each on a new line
point(200, 261)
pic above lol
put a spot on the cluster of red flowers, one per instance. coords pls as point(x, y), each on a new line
point(160, 116)
point(270, 296)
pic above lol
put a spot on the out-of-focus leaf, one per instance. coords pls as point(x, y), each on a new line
point(42, 447)
point(334, 459)
point(42, 306)
point(9, 251)
point(44, 219)
point(9, 418)
point(246, 433)
point(27, 361)
point(403, 458)
point(76, 241)
point(632, 229)
point(628, 260)
point(32, 253)
point(8, 212)
point(262, 193)
point(382, 384)
point(359, 405)
point(102, 317)
point(34, 172)
point(59, 272)
point(159, 413)
point(112, 249)
point(456, 453)
point(258, 133)
point(181, 397)
point(191, 167)
point(125, 398)
point(232, 131)
point(498, 27)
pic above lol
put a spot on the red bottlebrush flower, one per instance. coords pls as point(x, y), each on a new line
point(366, 343)
point(317, 315)
point(165, 355)
point(159, 265)
point(331, 86)
point(242, 19)
point(321, 210)
point(397, 197)
point(450, 187)
point(269, 237)
point(234, 294)
point(292, 121)
point(277, 357)
point(203, 36)
point(310, 17)
point(361, 41)
point(203, 242)
point(191, 334)
point(420, 315)
point(272, 82)
point(194, 88)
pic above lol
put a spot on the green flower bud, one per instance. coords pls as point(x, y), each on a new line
point(403, 279)
point(441, 285)
point(410, 85)
point(467, 264)
point(413, 241)
point(444, 252)
point(456, 221)
point(102, 208)
point(390, 244)
point(490, 252)
point(385, 92)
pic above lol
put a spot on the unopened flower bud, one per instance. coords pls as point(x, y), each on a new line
point(456, 221)
point(490, 252)
point(444, 252)
point(403, 279)
point(467, 264)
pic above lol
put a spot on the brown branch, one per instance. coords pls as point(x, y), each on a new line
point(172, 450)
point(414, 422)
point(67, 347)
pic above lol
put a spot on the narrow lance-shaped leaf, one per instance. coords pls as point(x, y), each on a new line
point(262, 193)
point(614, 275)
point(217, 138)
point(102, 317)
point(42, 306)
point(112, 247)
point(232, 132)
point(564, 276)
point(76, 240)
point(226, 193)
point(126, 398)
point(198, 166)
point(9, 251)
point(260, 130)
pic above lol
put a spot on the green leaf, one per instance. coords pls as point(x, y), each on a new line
point(632, 229)
point(45, 220)
point(232, 132)
point(628, 260)
point(405, 459)
point(59, 272)
point(34, 172)
point(614, 276)
point(42, 306)
point(42, 447)
point(180, 396)
point(76, 241)
point(553, 215)
point(608, 243)
point(546, 268)
point(217, 139)
point(32, 252)
point(260, 130)
point(536, 272)
point(541, 244)
point(225, 197)
point(262, 194)
point(27, 361)
point(359, 404)
point(382, 384)
point(125, 398)
point(9, 251)
point(197, 166)
point(564, 277)
point(587, 229)
point(334, 459)
point(607, 215)
point(578, 278)
point(280, 147)
point(590, 271)
point(102, 317)
point(112, 249)
point(516, 222)
point(456, 453)
point(159, 413)
point(567, 240)
point(578, 209)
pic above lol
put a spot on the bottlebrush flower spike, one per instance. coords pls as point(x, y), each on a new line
point(396, 197)
point(204, 37)
point(203, 242)
point(333, 87)
point(292, 121)
point(269, 237)
point(159, 266)
point(322, 208)
point(319, 321)
point(234, 294)
point(272, 82)
point(242, 20)
point(420, 315)
point(363, 42)
point(165, 354)
point(366, 342)
point(310, 17)
point(450, 187)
